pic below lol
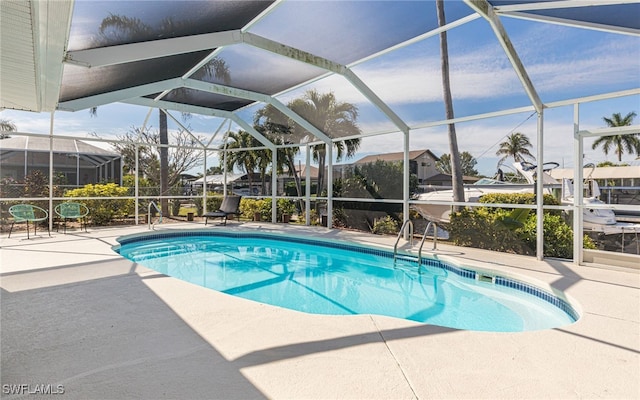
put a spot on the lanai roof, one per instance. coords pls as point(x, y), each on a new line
point(20, 144)
point(60, 145)
point(221, 58)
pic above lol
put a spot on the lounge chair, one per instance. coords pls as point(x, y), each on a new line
point(72, 211)
point(28, 213)
point(230, 206)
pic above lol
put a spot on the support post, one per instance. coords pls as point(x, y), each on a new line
point(405, 179)
point(540, 190)
point(330, 185)
point(307, 187)
point(274, 185)
point(50, 174)
point(577, 188)
point(137, 183)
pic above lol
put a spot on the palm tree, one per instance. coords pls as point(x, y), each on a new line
point(456, 169)
point(620, 143)
point(243, 158)
point(271, 123)
point(263, 160)
point(517, 146)
point(335, 119)
point(324, 112)
point(6, 126)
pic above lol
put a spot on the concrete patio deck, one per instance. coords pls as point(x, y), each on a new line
point(76, 314)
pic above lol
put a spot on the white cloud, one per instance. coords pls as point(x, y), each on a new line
point(550, 58)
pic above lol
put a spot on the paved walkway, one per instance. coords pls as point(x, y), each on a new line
point(76, 314)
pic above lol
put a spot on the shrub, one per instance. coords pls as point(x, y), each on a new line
point(386, 225)
point(314, 218)
point(484, 228)
point(517, 198)
point(286, 206)
point(214, 201)
point(495, 228)
point(558, 236)
point(249, 207)
point(175, 207)
point(102, 212)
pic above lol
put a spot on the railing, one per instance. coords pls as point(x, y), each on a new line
point(402, 229)
point(151, 203)
point(424, 236)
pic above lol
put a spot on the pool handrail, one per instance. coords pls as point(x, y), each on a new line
point(153, 226)
point(424, 236)
point(402, 229)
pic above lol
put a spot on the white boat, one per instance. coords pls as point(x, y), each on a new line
point(594, 219)
point(440, 211)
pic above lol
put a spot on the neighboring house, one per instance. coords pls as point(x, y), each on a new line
point(606, 176)
point(422, 163)
point(79, 162)
point(284, 179)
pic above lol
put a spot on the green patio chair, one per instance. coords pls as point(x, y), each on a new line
point(28, 213)
point(72, 211)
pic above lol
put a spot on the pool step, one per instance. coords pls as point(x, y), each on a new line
point(407, 258)
point(147, 254)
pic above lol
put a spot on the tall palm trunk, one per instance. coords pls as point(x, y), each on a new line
point(296, 178)
point(456, 167)
point(322, 154)
point(164, 163)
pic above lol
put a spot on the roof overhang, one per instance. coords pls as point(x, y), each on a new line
point(33, 41)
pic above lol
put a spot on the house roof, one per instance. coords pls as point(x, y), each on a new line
point(393, 157)
point(599, 173)
point(302, 171)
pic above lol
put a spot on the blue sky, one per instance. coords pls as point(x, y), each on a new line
point(562, 62)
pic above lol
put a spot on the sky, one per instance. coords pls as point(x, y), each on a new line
point(562, 63)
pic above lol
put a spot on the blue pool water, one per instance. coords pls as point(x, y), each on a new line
point(340, 278)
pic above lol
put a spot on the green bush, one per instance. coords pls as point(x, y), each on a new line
point(102, 212)
point(248, 207)
point(198, 203)
point(517, 198)
point(386, 225)
point(496, 229)
point(286, 206)
point(214, 201)
point(558, 236)
point(484, 228)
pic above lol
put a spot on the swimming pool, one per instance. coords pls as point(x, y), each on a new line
point(342, 278)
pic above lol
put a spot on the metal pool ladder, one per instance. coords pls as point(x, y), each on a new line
point(153, 226)
point(404, 226)
point(424, 236)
